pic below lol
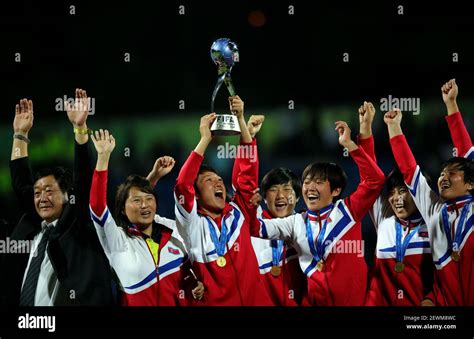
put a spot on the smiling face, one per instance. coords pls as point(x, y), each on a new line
point(281, 200)
point(140, 208)
point(401, 202)
point(451, 183)
point(211, 192)
point(317, 193)
point(48, 198)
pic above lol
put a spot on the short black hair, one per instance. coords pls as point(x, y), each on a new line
point(203, 169)
point(326, 171)
point(206, 168)
point(62, 175)
point(123, 192)
point(281, 176)
point(462, 164)
point(394, 179)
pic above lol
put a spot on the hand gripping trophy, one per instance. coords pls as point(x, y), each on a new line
point(224, 53)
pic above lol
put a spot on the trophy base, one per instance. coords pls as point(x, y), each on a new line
point(225, 124)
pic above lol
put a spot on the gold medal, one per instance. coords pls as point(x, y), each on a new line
point(399, 266)
point(221, 262)
point(455, 256)
point(276, 271)
point(320, 265)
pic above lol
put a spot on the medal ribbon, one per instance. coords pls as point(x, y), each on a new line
point(277, 247)
point(317, 250)
point(220, 242)
point(401, 247)
point(454, 245)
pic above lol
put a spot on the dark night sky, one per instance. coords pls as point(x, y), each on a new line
point(295, 57)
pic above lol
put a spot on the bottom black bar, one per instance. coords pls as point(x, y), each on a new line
point(64, 322)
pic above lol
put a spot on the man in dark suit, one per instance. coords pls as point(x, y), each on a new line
point(64, 263)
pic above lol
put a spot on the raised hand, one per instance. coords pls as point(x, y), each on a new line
point(23, 120)
point(103, 141)
point(236, 106)
point(78, 112)
point(205, 131)
point(205, 126)
point(255, 124)
point(366, 117)
point(162, 167)
point(366, 113)
point(393, 117)
point(449, 91)
point(345, 136)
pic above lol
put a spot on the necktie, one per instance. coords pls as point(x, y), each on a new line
point(27, 297)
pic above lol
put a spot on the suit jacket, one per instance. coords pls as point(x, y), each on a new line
point(76, 255)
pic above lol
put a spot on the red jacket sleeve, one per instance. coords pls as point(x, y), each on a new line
point(459, 135)
point(184, 188)
point(98, 195)
point(246, 177)
point(368, 146)
point(403, 157)
point(371, 183)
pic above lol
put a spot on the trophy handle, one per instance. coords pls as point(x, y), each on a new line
point(229, 85)
point(219, 82)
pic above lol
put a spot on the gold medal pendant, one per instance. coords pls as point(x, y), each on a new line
point(275, 271)
point(221, 262)
point(399, 266)
point(455, 256)
point(320, 265)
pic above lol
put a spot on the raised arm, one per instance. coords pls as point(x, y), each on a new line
point(425, 198)
point(22, 180)
point(22, 123)
point(371, 176)
point(380, 209)
point(184, 189)
point(365, 138)
point(162, 167)
point(237, 107)
point(77, 115)
point(110, 236)
point(104, 144)
point(245, 171)
point(459, 135)
point(254, 125)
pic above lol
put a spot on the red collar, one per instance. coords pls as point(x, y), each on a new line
point(266, 215)
point(227, 208)
point(411, 222)
point(319, 217)
point(454, 206)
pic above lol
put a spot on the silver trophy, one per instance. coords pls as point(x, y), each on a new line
point(224, 53)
